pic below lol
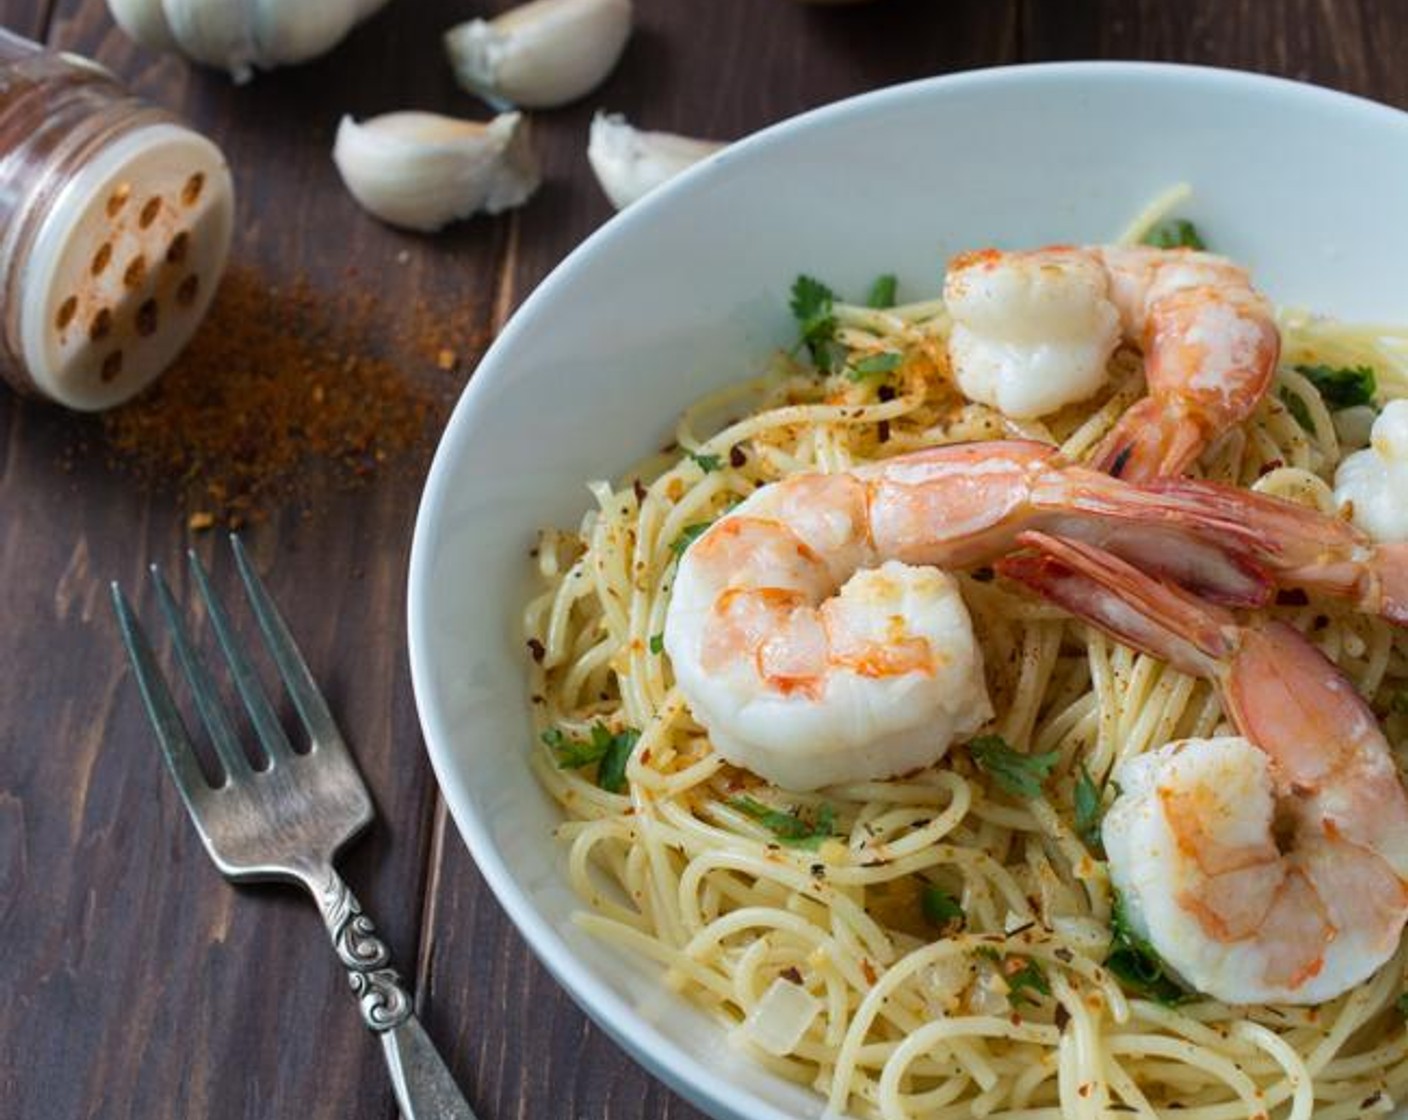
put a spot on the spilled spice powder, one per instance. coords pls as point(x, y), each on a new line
point(283, 392)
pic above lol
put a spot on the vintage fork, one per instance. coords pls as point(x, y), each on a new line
point(287, 820)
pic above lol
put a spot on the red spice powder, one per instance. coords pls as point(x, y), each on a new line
point(284, 392)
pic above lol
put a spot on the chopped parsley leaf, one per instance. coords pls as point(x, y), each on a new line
point(791, 828)
point(1018, 774)
point(1298, 409)
point(688, 535)
point(940, 907)
point(882, 292)
point(812, 306)
point(1402, 1004)
point(611, 774)
point(1137, 964)
point(707, 463)
point(1343, 387)
point(885, 362)
point(1029, 975)
point(657, 643)
point(1020, 973)
point(1089, 809)
point(1175, 233)
point(610, 752)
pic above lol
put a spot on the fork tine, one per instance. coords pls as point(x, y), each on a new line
point(298, 678)
point(256, 702)
point(166, 721)
point(212, 711)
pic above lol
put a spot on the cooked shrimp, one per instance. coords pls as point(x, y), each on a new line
point(1031, 331)
point(1301, 547)
point(1034, 330)
point(809, 668)
point(1270, 868)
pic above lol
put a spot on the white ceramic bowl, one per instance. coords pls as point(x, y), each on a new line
point(688, 289)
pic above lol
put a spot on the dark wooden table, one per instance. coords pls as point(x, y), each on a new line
point(133, 980)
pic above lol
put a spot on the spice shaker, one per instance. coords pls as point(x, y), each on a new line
point(115, 222)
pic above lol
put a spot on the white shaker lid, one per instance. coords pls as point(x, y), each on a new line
point(124, 265)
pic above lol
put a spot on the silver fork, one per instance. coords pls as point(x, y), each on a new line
point(287, 820)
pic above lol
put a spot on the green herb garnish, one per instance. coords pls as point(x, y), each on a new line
point(1029, 975)
point(812, 305)
point(1402, 1004)
point(707, 463)
point(1018, 774)
point(688, 535)
point(610, 752)
point(1174, 233)
point(882, 292)
point(1298, 409)
point(1136, 962)
point(885, 362)
point(940, 907)
point(1089, 809)
point(611, 774)
point(657, 643)
point(1020, 973)
point(794, 830)
point(1342, 387)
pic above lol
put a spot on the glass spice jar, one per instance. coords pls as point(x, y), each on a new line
point(115, 222)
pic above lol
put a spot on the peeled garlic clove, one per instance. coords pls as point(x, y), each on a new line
point(630, 163)
point(542, 54)
point(422, 171)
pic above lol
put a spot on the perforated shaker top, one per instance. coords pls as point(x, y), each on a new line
point(125, 264)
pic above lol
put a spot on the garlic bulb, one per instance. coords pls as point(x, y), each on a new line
point(1373, 484)
point(422, 171)
point(542, 54)
point(241, 35)
point(630, 163)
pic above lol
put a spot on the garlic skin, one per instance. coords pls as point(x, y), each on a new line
point(144, 22)
point(422, 171)
point(541, 54)
point(630, 163)
point(1373, 483)
point(239, 36)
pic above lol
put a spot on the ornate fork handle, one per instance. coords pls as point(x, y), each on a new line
point(385, 1004)
point(424, 1088)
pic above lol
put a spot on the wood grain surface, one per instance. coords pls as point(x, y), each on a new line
point(133, 981)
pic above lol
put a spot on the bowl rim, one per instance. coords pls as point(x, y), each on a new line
point(643, 1042)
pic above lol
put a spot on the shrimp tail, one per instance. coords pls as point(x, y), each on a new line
point(1137, 609)
point(1305, 548)
point(1280, 691)
point(1153, 439)
point(1196, 544)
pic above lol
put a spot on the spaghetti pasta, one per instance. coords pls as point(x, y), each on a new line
point(953, 938)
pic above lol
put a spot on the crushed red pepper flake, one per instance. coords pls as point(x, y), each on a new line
point(286, 390)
